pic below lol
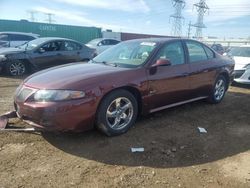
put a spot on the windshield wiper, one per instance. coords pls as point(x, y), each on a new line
point(105, 63)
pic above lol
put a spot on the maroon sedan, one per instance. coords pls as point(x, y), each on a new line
point(132, 78)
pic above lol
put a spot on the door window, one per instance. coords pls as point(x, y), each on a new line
point(196, 52)
point(210, 53)
point(52, 46)
point(173, 52)
point(71, 46)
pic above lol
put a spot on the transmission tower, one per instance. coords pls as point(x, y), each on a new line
point(177, 17)
point(32, 15)
point(49, 20)
point(201, 8)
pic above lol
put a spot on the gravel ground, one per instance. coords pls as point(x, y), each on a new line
point(176, 154)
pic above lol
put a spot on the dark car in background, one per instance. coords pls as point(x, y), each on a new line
point(132, 78)
point(13, 39)
point(218, 48)
point(42, 53)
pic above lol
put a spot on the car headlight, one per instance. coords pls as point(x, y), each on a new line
point(57, 95)
point(2, 58)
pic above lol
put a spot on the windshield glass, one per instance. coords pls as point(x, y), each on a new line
point(32, 44)
point(240, 51)
point(127, 54)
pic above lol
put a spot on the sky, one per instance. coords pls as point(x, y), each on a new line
point(225, 18)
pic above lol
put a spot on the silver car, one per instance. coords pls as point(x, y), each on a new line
point(241, 55)
point(102, 44)
point(13, 39)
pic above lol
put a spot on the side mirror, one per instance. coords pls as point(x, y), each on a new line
point(162, 62)
point(41, 50)
point(99, 44)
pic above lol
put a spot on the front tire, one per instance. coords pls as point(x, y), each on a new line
point(218, 91)
point(15, 68)
point(117, 113)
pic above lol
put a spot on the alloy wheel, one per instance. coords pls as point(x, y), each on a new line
point(220, 88)
point(119, 113)
point(17, 68)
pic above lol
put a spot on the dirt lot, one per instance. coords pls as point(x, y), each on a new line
point(176, 154)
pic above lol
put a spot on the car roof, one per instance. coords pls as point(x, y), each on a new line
point(56, 38)
point(159, 40)
point(246, 45)
point(20, 33)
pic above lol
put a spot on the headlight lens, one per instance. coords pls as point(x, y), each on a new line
point(57, 95)
point(2, 58)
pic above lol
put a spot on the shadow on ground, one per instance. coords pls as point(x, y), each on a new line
point(170, 137)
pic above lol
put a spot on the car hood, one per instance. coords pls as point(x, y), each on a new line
point(6, 51)
point(71, 76)
point(241, 62)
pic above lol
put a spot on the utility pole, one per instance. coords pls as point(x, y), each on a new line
point(50, 19)
point(201, 8)
point(32, 15)
point(177, 17)
point(189, 29)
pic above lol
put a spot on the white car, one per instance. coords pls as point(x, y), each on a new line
point(13, 39)
point(102, 44)
point(241, 56)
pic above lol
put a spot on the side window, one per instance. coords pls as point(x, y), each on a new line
point(71, 46)
point(210, 53)
point(173, 52)
point(52, 46)
point(28, 38)
point(105, 42)
point(196, 52)
point(113, 42)
point(3, 37)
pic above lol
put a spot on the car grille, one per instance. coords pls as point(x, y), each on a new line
point(238, 73)
point(24, 94)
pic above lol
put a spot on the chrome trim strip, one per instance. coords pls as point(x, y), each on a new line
point(176, 104)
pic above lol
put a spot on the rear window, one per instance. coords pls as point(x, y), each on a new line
point(17, 37)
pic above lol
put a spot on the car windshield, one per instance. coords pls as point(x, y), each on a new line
point(94, 42)
point(240, 51)
point(127, 54)
point(32, 44)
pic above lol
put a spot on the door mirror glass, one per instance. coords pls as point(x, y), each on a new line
point(162, 62)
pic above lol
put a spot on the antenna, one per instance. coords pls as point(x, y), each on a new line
point(201, 8)
point(177, 17)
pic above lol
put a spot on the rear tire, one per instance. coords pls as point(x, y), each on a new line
point(218, 91)
point(15, 68)
point(117, 113)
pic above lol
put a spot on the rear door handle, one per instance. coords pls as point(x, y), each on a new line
point(59, 54)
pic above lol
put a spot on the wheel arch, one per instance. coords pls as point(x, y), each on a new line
point(133, 90)
point(226, 76)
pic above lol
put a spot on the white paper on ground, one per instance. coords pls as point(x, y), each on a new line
point(137, 150)
point(202, 130)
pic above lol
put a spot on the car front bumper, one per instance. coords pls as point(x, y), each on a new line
point(74, 115)
point(242, 76)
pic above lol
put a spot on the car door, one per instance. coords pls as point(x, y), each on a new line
point(48, 55)
point(169, 84)
point(71, 52)
point(202, 68)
